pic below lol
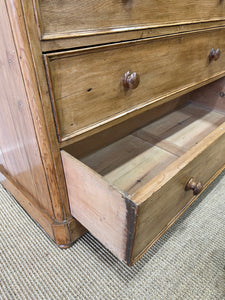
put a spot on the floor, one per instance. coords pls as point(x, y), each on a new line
point(188, 262)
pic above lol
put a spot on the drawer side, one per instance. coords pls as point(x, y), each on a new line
point(107, 213)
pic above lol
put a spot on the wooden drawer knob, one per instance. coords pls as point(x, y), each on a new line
point(214, 54)
point(195, 187)
point(131, 80)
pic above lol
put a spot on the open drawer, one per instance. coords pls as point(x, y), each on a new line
point(130, 192)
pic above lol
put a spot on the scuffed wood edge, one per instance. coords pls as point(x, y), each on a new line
point(132, 214)
point(23, 25)
point(62, 233)
point(59, 191)
point(104, 210)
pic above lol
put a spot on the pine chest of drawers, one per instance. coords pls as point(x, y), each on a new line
point(112, 114)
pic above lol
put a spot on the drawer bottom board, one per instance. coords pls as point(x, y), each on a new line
point(132, 161)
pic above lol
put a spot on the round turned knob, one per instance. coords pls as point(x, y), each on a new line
point(195, 187)
point(131, 80)
point(214, 54)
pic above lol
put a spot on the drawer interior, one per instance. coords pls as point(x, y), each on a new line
point(135, 159)
point(139, 156)
point(134, 187)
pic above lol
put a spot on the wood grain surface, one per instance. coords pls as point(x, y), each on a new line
point(106, 137)
point(40, 104)
point(212, 95)
point(135, 159)
point(165, 195)
point(126, 187)
point(53, 43)
point(102, 209)
point(20, 153)
point(87, 88)
point(151, 168)
point(97, 17)
point(26, 133)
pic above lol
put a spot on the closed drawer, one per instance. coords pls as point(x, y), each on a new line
point(88, 91)
point(130, 192)
point(79, 18)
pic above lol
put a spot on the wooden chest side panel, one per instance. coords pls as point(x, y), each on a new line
point(20, 154)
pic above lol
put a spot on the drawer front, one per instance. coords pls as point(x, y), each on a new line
point(167, 199)
point(88, 91)
point(127, 225)
point(77, 18)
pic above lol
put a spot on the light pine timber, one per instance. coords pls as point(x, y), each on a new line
point(101, 208)
point(135, 159)
point(211, 96)
point(92, 78)
point(54, 169)
point(157, 202)
point(59, 218)
point(165, 194)
point(20, 154)
point(106, 137)
point(27, 202)
point(86, 18)
point(122, 152)
point(67, 40)
point(64, 228)
point(42, 115)
point(129, 162)
point(182, 129)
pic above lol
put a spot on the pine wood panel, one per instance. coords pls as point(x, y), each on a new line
point(75, 18)
point(113, 156)
point(183, 128)
point(129, 163)
point(102, 209)
point(19, 147)
point(26, 200)
point(212, 95)
point(106, 137)
point(87, 87)
point(165, 195)
point(135, 159)
point(54, 42)
point(109, 213)
point(57, 221)
point(32, 67)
